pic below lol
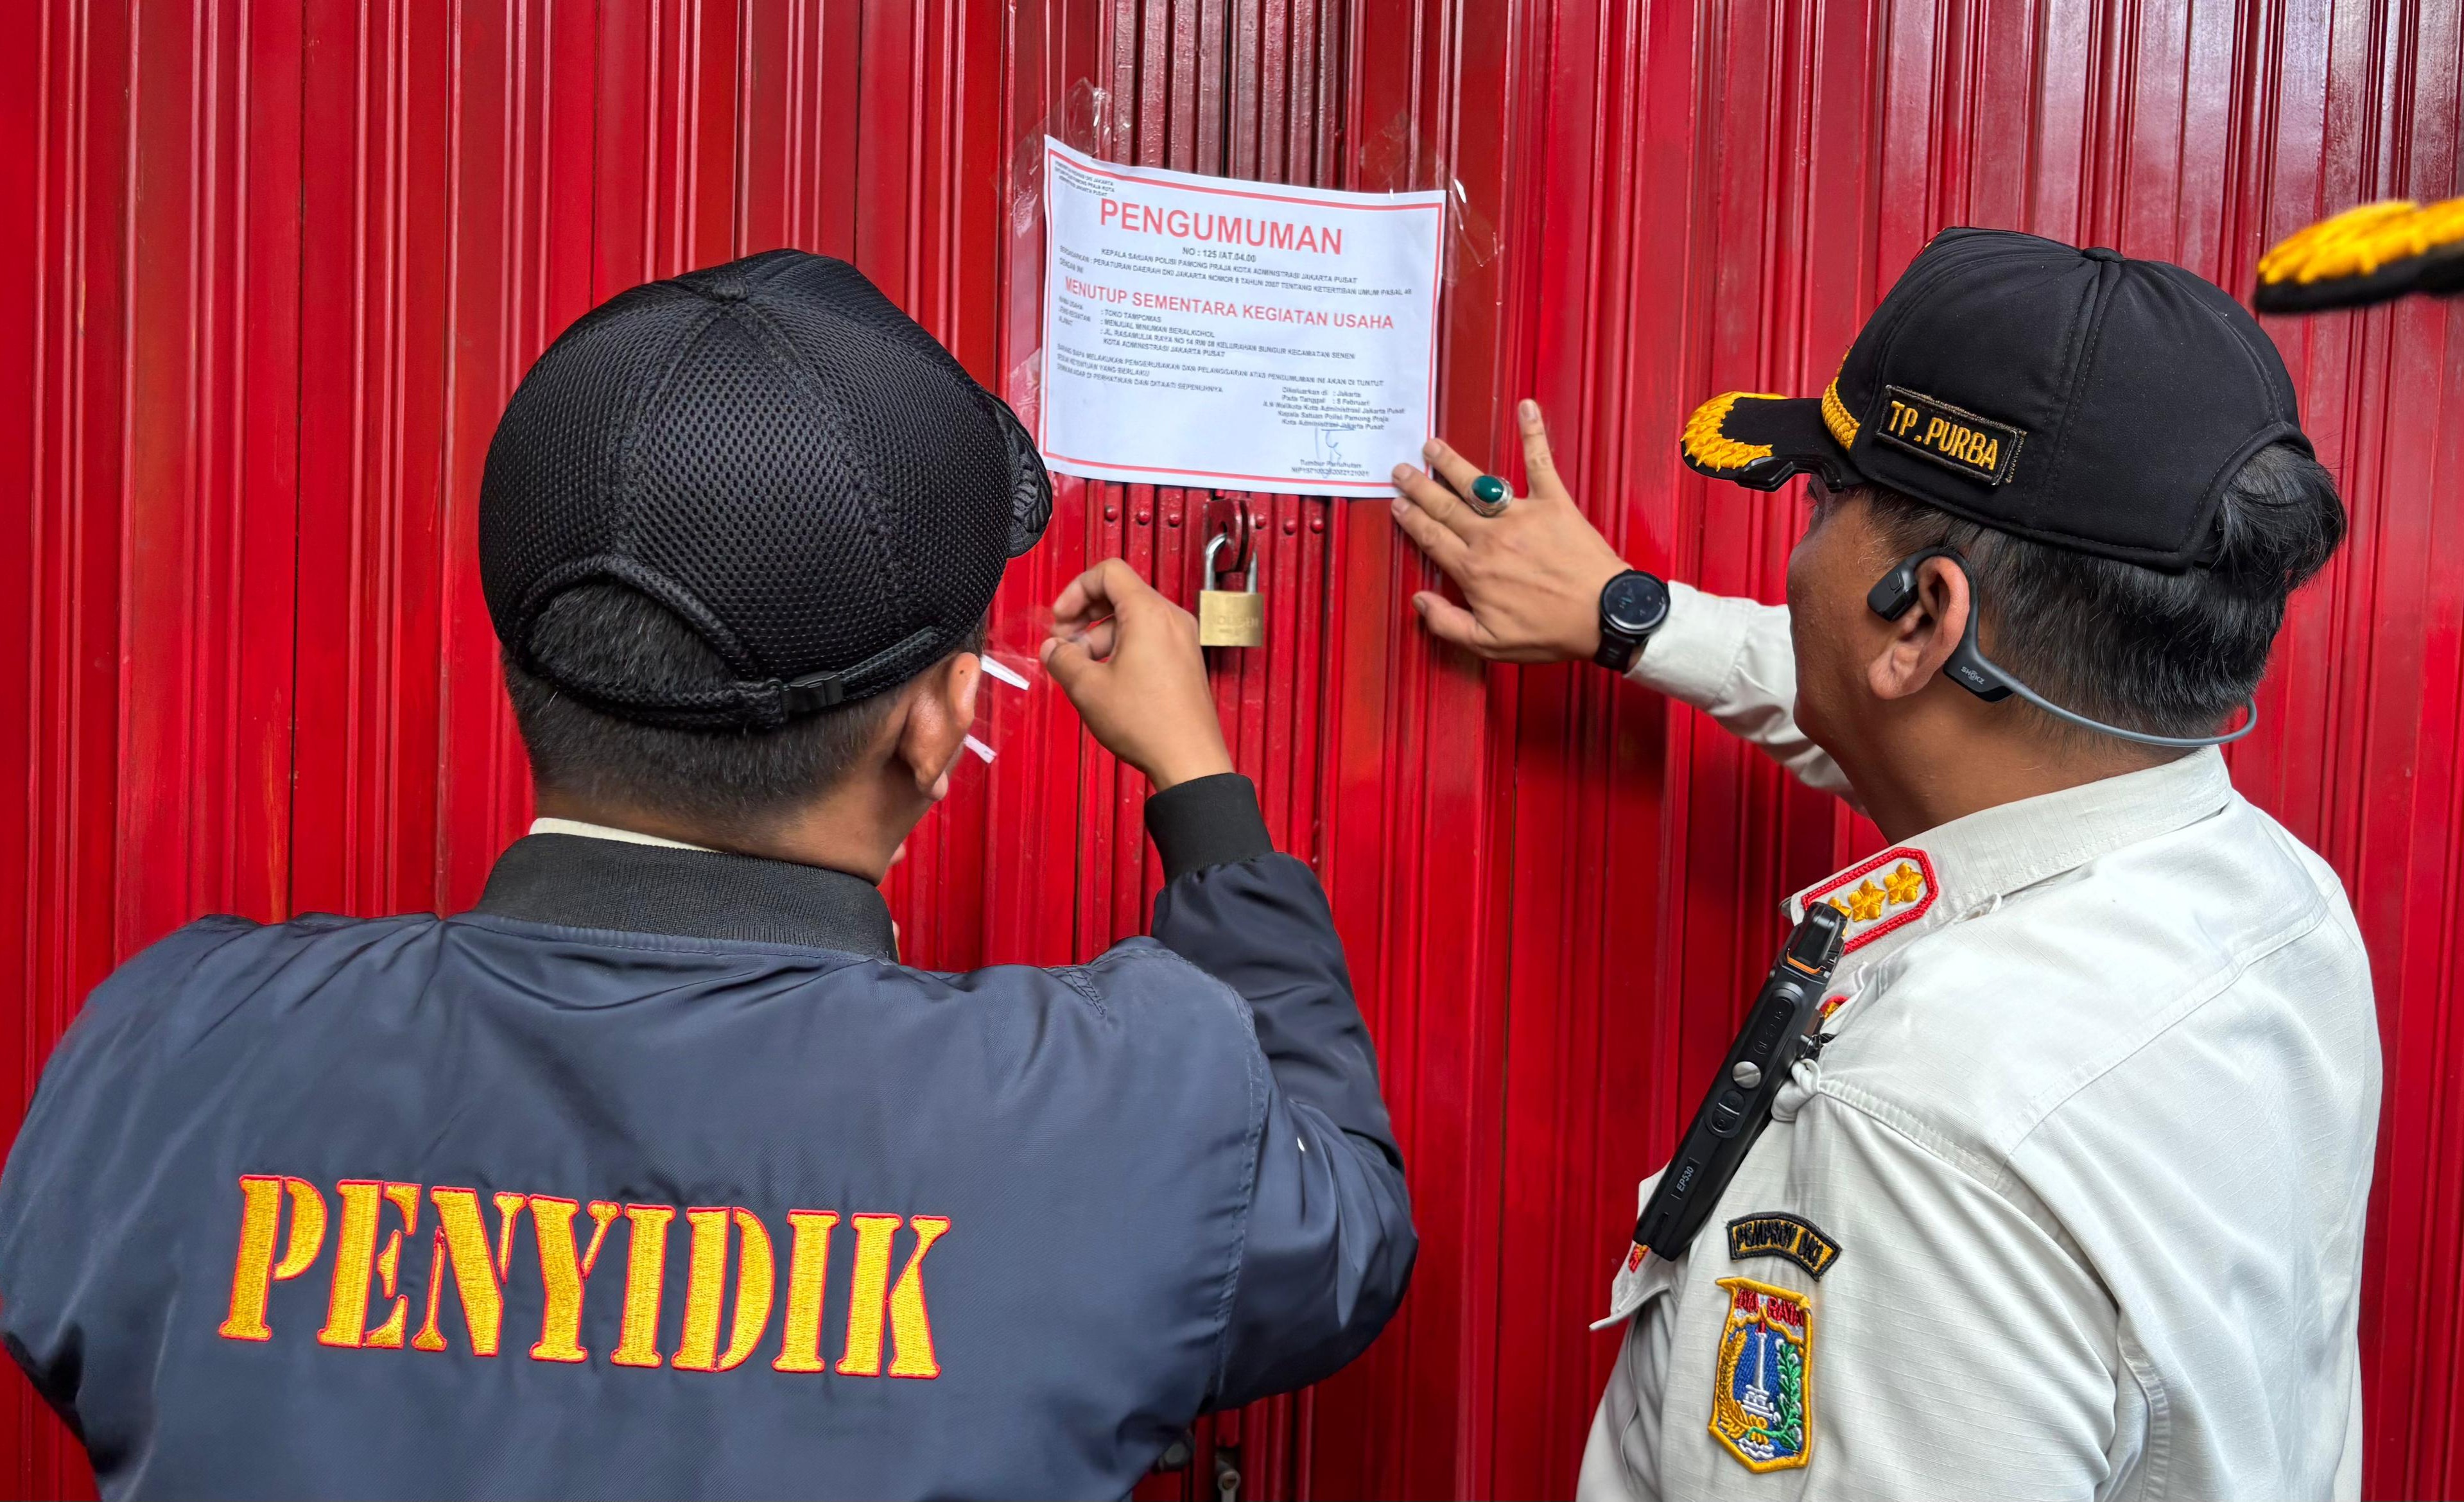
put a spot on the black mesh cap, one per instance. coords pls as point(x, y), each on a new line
point(774, 453)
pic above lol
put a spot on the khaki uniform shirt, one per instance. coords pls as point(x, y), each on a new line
point(2071, 1203)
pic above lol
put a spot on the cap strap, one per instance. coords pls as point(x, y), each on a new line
point(812, 692)
point(817, 691)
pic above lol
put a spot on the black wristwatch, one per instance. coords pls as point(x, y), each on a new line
point(1633, 606)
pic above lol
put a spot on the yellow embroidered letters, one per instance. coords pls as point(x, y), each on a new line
point(254, 1272)
point(698, 1350)
point(730, 1277)
point(462, 1243)
point(644, 1269)
point(809, 1268)
point(562, 1273)
point(355, 1257)
point(910, 1330)
point(1976, 447)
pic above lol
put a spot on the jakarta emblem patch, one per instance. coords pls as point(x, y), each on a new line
point(1762, 1401)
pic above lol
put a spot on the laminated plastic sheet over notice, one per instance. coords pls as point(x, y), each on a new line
point(1202, 331)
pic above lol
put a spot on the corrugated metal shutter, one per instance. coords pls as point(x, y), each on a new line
point(273, 265)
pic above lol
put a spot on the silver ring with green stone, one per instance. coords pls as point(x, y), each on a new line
point(1489, 495)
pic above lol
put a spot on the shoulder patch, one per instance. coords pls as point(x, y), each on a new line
point(1879, 894)
point(1954, 438)
point(1782, 1235)
point(1761, 1396)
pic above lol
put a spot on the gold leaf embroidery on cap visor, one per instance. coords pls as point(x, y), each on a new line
point(2359, 240)
point(1707, 444)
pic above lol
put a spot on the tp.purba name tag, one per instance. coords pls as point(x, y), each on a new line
point(1955, 438)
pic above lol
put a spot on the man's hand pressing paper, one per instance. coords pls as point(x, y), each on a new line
point(1531, 574)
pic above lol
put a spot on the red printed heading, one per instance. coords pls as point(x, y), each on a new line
point(1181, 223)
point(1223, 308)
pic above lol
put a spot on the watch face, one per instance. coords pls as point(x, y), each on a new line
point(1635, 603)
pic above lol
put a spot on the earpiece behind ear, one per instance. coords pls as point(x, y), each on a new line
point(1895, 591)
point(1969, 667)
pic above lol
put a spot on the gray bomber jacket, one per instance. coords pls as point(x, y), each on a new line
point(659, 1175)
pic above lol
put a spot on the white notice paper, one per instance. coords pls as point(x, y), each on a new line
point(1239, 335)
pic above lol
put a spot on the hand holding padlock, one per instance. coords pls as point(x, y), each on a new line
point(1230, 617)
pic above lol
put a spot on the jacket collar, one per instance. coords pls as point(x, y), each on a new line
point(1950, 871)
point(592, 880)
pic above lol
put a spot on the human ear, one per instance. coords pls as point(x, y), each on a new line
point(1924, 635)
point(940, 714)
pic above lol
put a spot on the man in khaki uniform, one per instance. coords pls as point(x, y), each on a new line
point(2069, 1203)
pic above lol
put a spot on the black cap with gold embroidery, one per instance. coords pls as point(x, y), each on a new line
point(2371, 253)
point(2077, 398)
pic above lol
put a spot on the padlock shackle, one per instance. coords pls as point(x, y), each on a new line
point(1219, 541)
point(1230, 618)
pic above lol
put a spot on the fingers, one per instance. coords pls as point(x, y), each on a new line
point(1439, 541)
point(1440, 504)
point(1084, 626)
point(1083, 600)
point(1096, 639)
point(1442, 501)
point(1069, 662)
point(1449, 622)
point(1096, 608)
point(1101, 591)
point(1456, 471)
point(1539, 465)
point(1075, 607)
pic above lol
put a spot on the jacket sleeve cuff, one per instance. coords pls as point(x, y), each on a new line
point(1207, 822)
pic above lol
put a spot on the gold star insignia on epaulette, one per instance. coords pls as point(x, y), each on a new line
point(1881, 895)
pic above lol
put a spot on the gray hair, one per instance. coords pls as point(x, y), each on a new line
point(2170, 654)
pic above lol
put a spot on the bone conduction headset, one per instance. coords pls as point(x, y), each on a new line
point(1971, 669)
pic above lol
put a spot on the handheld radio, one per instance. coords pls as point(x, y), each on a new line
point(1737, 1107)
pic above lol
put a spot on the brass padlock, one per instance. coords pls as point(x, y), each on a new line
point(1230, 617)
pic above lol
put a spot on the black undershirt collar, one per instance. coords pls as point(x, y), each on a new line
point(581, 881)
point(585, 882)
